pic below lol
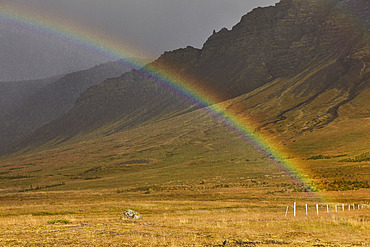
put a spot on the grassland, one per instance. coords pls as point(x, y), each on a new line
point(195, 182)
point(243, 217)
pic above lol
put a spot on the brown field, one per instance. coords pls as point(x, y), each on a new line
point(195, 217)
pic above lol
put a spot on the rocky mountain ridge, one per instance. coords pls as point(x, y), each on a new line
point(311, 54)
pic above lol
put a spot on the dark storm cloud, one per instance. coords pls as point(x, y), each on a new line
point(153, 26)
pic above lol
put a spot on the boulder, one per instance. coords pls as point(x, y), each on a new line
point(131, 214)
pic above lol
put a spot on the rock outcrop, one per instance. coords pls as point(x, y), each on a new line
point(131, 214)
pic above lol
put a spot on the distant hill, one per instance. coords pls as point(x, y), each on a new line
point(295, 65)
point(31, 104)
point(13, 94)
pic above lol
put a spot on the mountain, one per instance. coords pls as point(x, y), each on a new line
point(15, 93)
point(39, 102)
point(289, 68)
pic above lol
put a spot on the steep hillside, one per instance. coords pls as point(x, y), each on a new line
point(194, 152)
point(114, 100)
point(296, 64)
point(40, 106)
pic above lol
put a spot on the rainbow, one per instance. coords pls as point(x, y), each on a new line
point(62, 31)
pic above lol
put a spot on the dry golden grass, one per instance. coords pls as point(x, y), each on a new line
point(178, 218)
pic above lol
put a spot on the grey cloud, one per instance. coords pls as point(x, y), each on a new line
point(154, 26)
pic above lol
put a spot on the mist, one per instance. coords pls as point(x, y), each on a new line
point(151, 26)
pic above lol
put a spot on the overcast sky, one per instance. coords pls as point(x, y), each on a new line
point(153, 26)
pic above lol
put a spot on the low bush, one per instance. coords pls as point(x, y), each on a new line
point(58, 221)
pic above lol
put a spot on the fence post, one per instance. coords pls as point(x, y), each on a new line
point(343, 207)
point(358, 206)
point(336, 208)
point(286, 212)
point(294, 209)
point(327, 208)
point(354, 206)
point(317, 209)
point(306, 210)
point(349, 207)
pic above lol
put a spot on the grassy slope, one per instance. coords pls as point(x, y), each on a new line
point(188, 149)
point(340, 141)
point(345, 138)
point(178, 170)
point(180, 151)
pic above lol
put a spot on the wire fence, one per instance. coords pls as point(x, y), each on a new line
point(318, 209)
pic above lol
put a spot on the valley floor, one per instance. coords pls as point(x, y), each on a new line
point(179, 218)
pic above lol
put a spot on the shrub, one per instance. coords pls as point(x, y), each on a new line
point(58, 221)
point(358, 158)
point(318, 157)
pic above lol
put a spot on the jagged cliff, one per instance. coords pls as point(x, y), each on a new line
point(300, 60)
point(276, 42)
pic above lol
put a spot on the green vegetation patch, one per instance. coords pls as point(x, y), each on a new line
point(15, 177)
point(42, 187)
point(92, 178)
point(321, 157)
point(318, 157)
point(94, 169)
point(58, 221)
point(136, 161)
point(43, 213)
point(16, 168)
point(343, 185)
point(358, 158)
